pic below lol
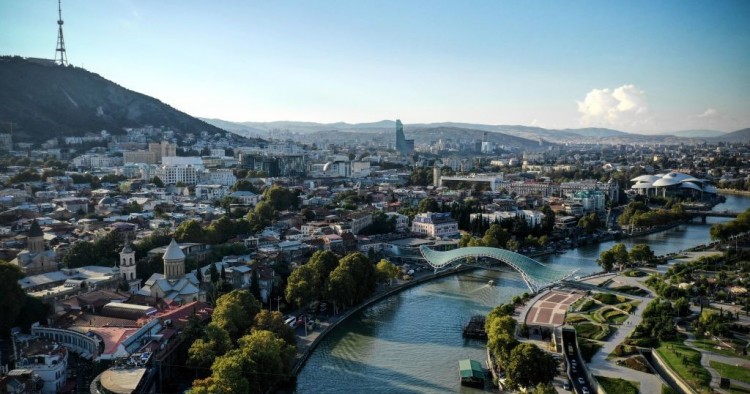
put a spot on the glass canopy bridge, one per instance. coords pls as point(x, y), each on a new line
point(536, 275)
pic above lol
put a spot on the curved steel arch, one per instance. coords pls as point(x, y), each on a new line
point(535, 274)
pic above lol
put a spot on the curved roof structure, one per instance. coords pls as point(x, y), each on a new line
point(679, 179)
point(645, 178)
point(535, 274)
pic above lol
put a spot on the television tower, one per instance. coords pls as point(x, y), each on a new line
point(62, 59)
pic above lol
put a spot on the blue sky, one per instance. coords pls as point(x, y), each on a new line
point(642, 66)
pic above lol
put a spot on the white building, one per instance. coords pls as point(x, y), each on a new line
point(46, 358)
point(180, 173)
point(223, 177)
point(436, 225)
point(211, 192)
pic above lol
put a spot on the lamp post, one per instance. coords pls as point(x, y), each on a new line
point(278, 303)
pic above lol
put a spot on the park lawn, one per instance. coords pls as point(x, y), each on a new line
point(592, 331)
point(618, 385)
point(587, 330)
point(630, 306)
point(632, 290)
point(614, 316)
point(711, 345)
point(575, 318)
point(691, 371)
point(730, 371)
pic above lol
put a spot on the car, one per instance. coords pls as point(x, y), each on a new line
point(585, 390)
point(581, 381)
point(573, 368)
point(566, 385)
point(573, 362)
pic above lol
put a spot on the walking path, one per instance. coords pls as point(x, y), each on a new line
point(708, 356)
point(649, 383)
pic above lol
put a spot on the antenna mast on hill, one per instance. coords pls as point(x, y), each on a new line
point(62, 59)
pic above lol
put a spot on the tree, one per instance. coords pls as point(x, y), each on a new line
point(545, 388)
point(363, 273)
point(220, 230)
point(682, 306)
point(528, 366)
point(513, 245)
point(215, 342)
point(621, 255)
point(607, 260)
point(255, 284)
point(82, 253)
point(301, 286)
point(235, 312)
point(496, 236)
point(274, 322)
point(244, 185)
point(548, 222)
point(642, 254)
point(281, 198)
point(157, 182)
point(323, 262)
point(386, 271)
point(270, 356)
point(341, 288)
point(13, 297)
point(428, 205)
point(229, 375)
point(213, 273)
point(190, 231)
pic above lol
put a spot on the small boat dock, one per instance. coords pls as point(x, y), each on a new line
point(475, 328)
point(471, 373)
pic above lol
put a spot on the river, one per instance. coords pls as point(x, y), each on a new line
point(411, 342)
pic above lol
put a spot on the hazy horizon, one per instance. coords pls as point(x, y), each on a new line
point(642, 67)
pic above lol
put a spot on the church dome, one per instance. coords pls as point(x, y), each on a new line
point(173, 252)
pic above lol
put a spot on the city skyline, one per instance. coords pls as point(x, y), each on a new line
point(639, 67)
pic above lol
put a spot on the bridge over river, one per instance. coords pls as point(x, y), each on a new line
point(536, 275)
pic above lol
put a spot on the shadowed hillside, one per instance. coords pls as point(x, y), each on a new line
point(46, 101)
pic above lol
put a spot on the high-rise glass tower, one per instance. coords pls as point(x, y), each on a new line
point(403, 146)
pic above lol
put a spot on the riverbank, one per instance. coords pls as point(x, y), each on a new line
point(734, 192)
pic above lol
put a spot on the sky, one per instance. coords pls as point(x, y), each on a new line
point(638, 66)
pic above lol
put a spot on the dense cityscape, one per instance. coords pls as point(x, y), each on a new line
point(565, 207)
point(156, 261)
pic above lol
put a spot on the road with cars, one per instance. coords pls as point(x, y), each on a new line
point(575, 371)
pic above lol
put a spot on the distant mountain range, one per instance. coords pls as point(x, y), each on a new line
point(43, 101)
point(40, 100)
point(531, 135)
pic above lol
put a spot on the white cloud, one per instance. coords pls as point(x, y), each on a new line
point(709, 113)
point(624, 106)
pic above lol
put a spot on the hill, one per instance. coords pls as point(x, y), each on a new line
point(735, 136)
point(45, 101)
point(698, 133)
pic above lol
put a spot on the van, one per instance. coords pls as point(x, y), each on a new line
point(291, 321)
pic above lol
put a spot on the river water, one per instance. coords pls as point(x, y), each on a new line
point(411, 342)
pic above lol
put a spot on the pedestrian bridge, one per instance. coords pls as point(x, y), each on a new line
point(536, 275)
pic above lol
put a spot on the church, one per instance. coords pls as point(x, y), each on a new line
point(127, 268)
point(173, 285)
point(35, 259)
